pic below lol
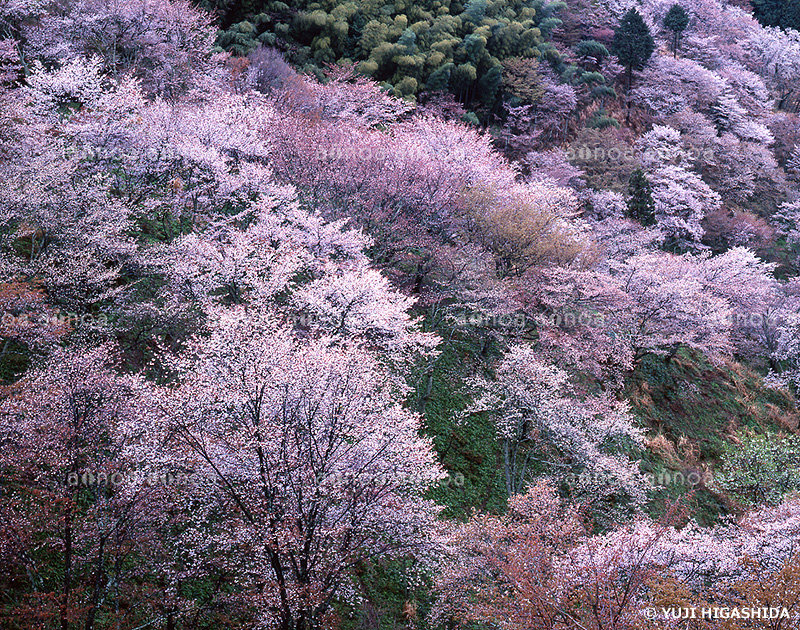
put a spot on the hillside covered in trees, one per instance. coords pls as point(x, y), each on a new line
point(424, 315)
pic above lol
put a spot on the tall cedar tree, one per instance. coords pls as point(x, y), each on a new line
point(633, 44)
point(676, 21)
point(640, 201)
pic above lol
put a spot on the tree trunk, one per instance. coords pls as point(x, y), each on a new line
point(67, 567)
point(97, 585)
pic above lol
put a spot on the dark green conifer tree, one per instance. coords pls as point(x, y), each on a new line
point(633, 44)
point(641, 206)
point(676, 21)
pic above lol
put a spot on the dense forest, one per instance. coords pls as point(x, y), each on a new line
point(427, 315)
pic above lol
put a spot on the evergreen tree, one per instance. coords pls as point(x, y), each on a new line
point(633, 44)
point(439, 81)
point(783, 13)
point(768, 12)
point(408, 42)
point(591, 53)
point(641, 206)
point(790, 16)
point(676, 21)
point(489, 84)
point(475, 10)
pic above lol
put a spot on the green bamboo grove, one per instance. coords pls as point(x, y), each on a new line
point(410, 47)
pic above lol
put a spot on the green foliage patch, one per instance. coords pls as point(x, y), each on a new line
point(409, 47)
point(696, 410)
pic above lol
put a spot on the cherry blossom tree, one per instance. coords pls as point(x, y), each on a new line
point(546, 121)
point(77, 539)
point(75, 84)
point(261, 266)
point(693, 554)
point(63, 228)
point(670, 85)
point(793, 163)
point(27, 325)
point(348, 96)
point(504, 570)
point(670, 307)
point(608, 318)
point(532, 403)
point(177, 160)
point(574, 312)
point(681, 197)
point(166, 43)
point(306, 449)
point(539, 563)
point(751, 291)
point(779, 57)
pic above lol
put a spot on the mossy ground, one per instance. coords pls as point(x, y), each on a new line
point(691, 409)
point(468, 451)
